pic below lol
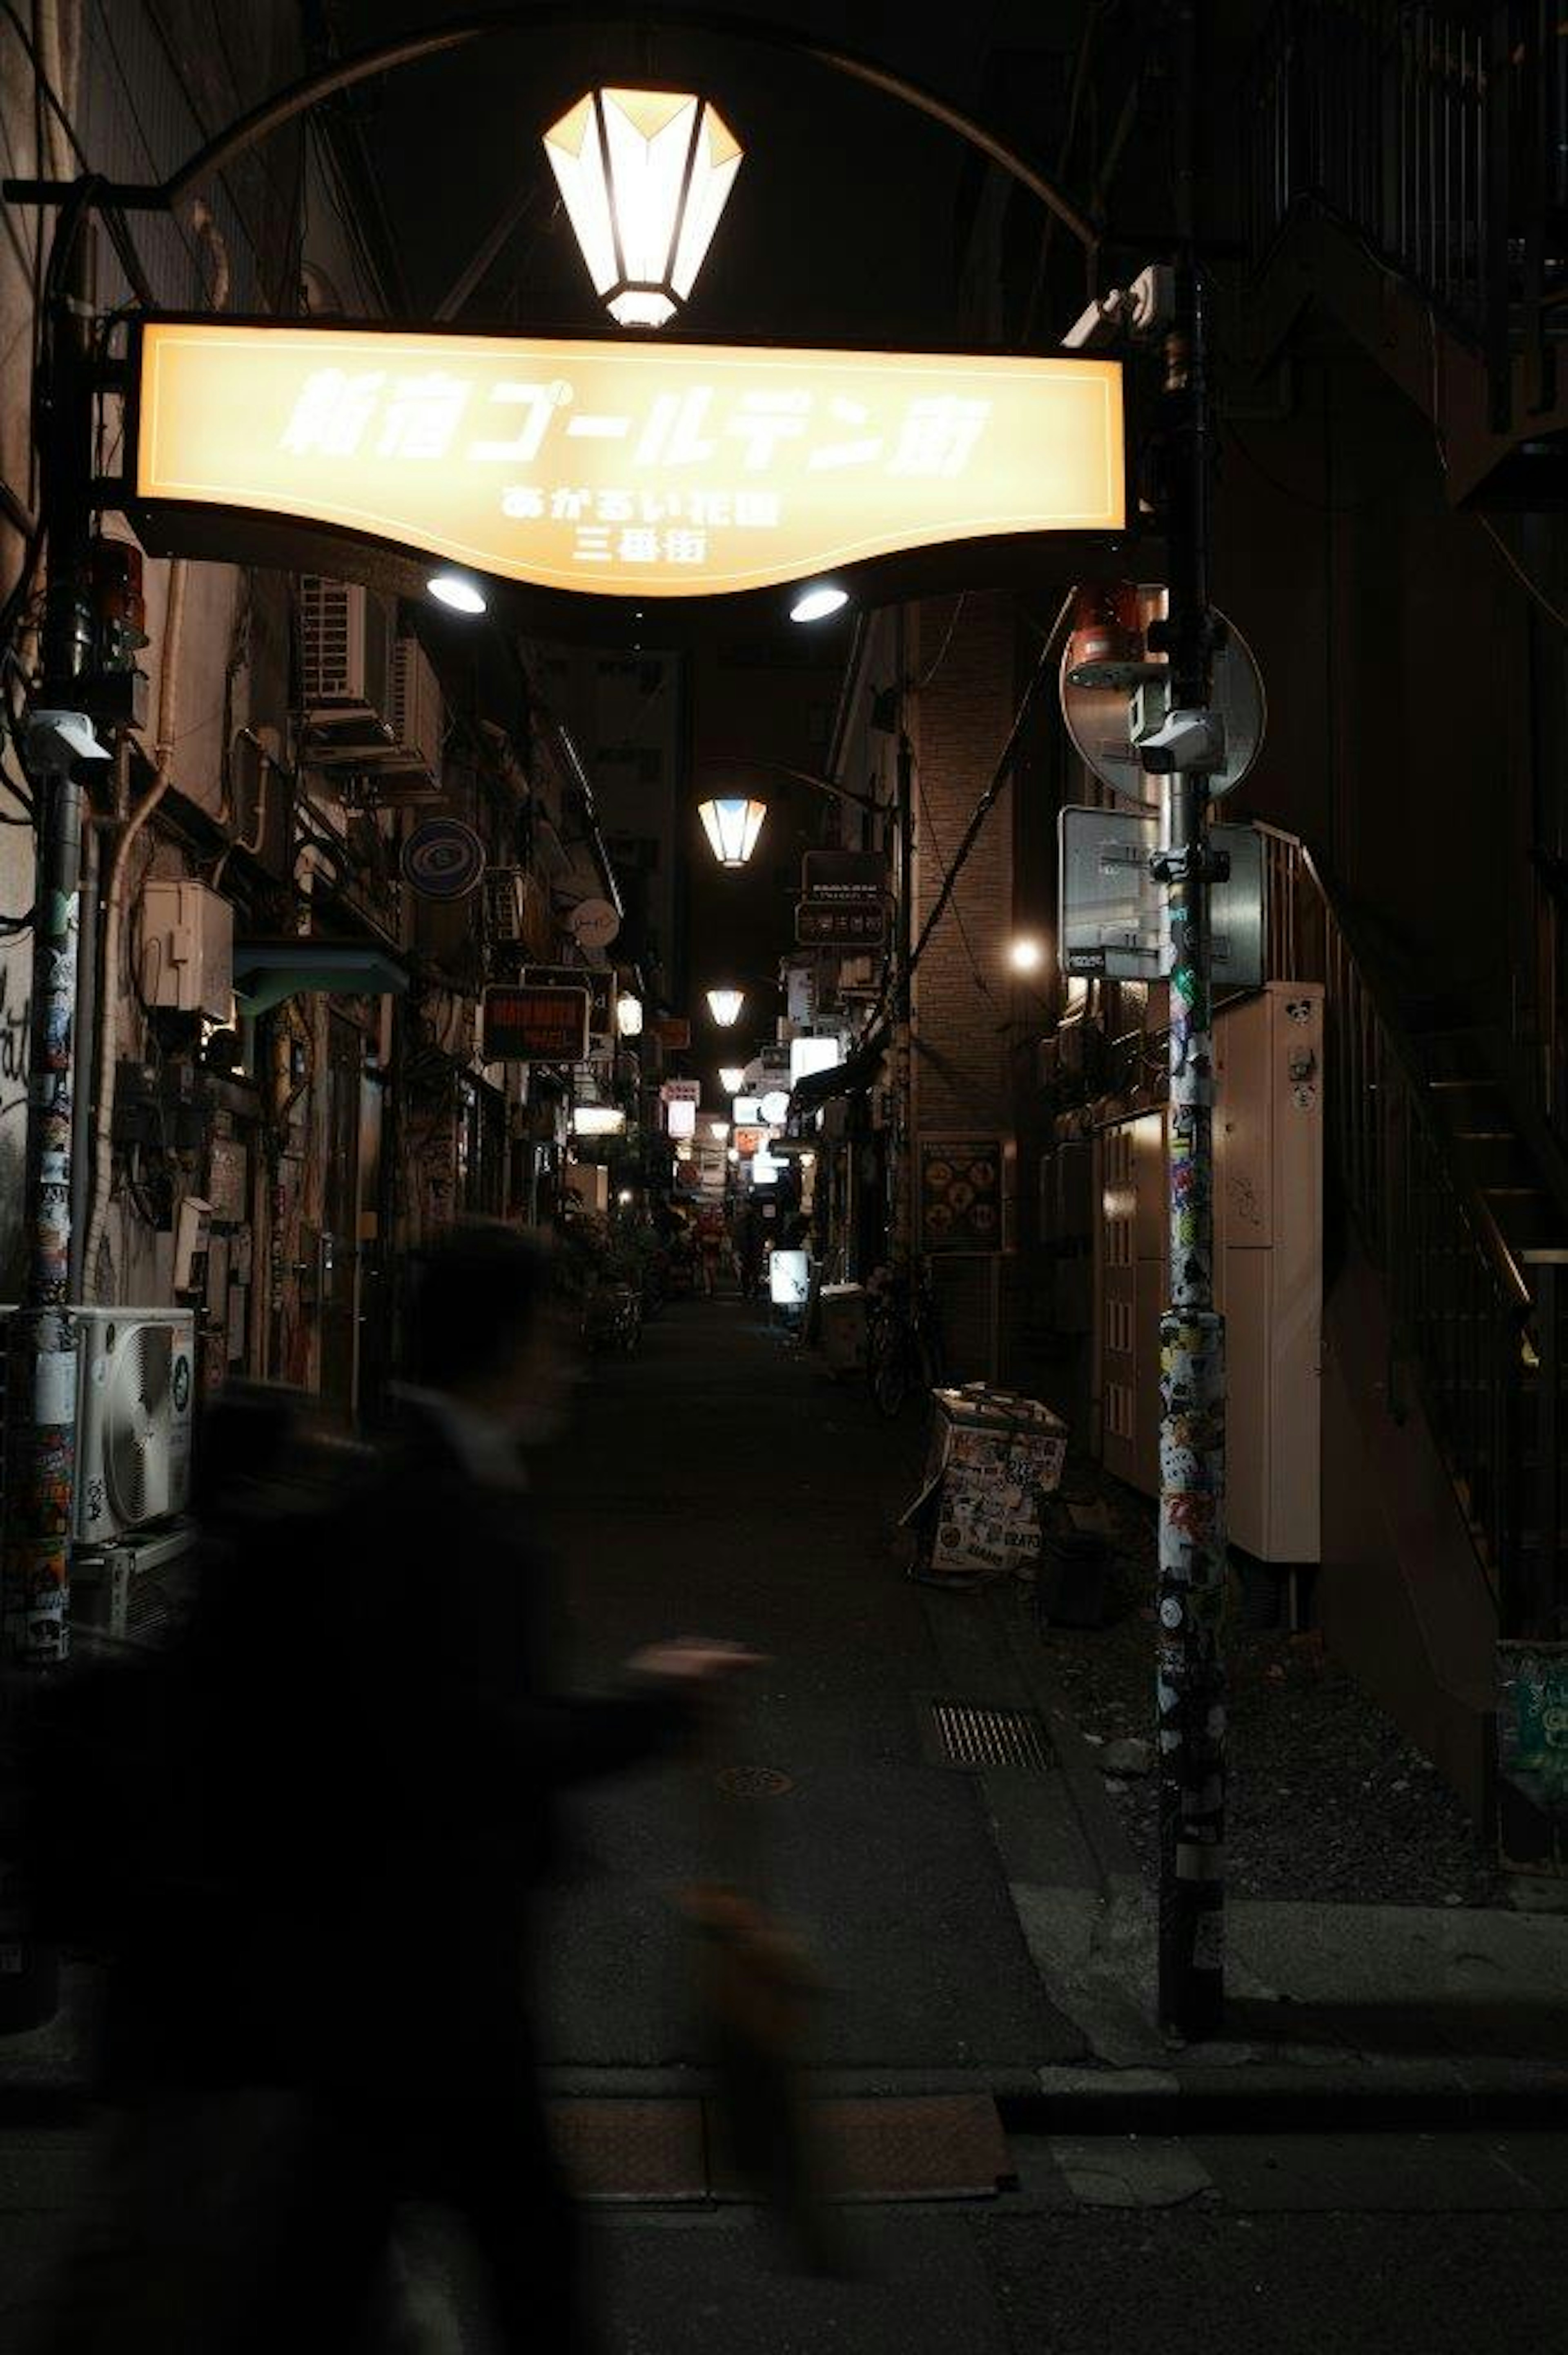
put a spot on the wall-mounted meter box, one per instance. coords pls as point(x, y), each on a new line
point(187, 949)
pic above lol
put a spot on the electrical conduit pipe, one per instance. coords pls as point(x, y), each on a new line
point(113, 921)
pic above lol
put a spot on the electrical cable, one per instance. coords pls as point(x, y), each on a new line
point(1531, 587)
point(978, 978)
point(918, 686)
point(1000, 775)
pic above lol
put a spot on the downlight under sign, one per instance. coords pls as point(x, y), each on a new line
point(626, 468)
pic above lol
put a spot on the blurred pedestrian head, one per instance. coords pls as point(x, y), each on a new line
point(481, 1323)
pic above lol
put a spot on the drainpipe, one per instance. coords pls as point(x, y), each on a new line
point(115, 918)
point(86, 1012)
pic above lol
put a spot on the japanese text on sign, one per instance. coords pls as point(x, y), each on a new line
point(535, 1025)
point(625, 469)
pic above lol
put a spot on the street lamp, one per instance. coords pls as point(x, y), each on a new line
point(731, 1077)
point(457, 592)
point(815, 604)
point(1026, 954)
point(725, 1006)
point(644, 176)
point(732, 826)
point(628, 1015)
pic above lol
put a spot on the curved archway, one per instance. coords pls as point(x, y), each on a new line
point(410, 48)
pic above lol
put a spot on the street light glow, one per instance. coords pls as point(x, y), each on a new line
point(731, 1077)
point(644, 176)
point(1026, 954)
point(725, 1006)
point(732, 826)
point(455, 589)
point(815, 604)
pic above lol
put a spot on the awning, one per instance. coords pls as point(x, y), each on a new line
point(266, 972)
point(855, 1074)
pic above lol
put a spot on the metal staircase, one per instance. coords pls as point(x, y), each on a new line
point(1408, 165)
point(1467, 1233)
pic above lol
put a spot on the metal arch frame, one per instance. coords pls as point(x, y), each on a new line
point(826, 785)
point(387, 57)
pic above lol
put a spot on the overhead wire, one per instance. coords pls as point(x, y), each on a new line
point(998, 778)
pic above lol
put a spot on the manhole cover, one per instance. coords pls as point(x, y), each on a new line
point(753, 1781)
point(977, 1738)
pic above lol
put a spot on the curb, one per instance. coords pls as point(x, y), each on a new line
point(1248, 2097)
point(1277, 2097)
point(1104, 1833)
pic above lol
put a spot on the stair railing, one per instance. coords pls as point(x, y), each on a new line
point(1460, 1303)
point(1435, 133)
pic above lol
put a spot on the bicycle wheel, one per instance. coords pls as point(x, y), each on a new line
point(890, 1376)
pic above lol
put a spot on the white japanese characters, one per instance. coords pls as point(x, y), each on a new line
point(435, 416)
point(623, 467)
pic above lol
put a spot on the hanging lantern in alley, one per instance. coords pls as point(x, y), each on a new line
point(628, 1015)
point(644, 176)
point(731, 1076)
point(725, 1006)
point(732, 827)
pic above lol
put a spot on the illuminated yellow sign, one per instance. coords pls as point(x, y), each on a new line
point(625, 469)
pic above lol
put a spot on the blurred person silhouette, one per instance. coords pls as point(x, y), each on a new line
point(325, 1996)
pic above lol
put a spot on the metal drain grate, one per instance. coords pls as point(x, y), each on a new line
point(975, 1738)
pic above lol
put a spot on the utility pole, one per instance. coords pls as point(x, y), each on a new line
point(41, 1368)
point(1184, 749)
point(40, 1422)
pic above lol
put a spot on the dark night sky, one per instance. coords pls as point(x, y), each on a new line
point(841, 224)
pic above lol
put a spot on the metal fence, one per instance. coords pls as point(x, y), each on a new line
point(1439, 135)
point(1482, 1332)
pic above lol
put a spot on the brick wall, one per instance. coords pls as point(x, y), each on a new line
point(962, 1079)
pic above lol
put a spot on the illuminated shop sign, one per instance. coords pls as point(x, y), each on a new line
point(534, 1025)
point(624, 469)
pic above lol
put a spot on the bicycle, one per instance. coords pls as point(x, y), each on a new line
point(904, 1338)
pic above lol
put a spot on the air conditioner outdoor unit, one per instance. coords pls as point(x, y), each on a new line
point(135, 1373)
point(411, 770)
point(348, 637)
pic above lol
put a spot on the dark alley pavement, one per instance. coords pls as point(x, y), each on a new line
point(719, 1482)
point(969, 1930)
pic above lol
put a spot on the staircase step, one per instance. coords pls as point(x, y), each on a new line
point(1527, 1216)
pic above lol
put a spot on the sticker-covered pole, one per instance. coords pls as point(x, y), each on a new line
point(1190, 1697)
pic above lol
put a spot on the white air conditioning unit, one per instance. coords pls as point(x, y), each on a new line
point(418, 725)
point(348, 659)
point(135, 1377)
point(136, 1371)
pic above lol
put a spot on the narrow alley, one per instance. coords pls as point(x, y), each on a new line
point(719, 1482)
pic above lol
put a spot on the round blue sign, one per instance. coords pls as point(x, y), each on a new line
point(443, 858)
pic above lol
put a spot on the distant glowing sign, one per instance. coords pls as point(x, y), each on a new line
point(628, 468)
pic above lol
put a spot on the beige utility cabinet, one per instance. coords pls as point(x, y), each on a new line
point(1268, 1272)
